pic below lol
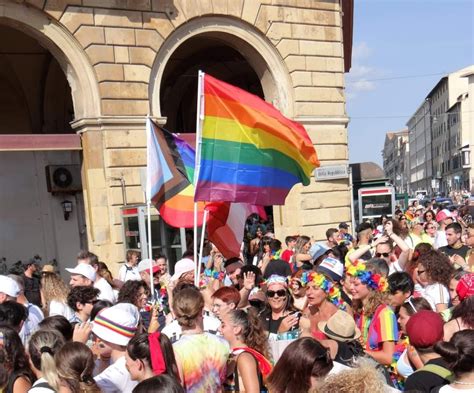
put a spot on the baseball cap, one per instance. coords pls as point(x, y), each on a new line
point(9, 287)
point(318, 249)
point(465, 287)
point(443, 215)
point(425, 329)
point(117, 324)
point(84, 270)
point(184, 265)
point(343, 225)
point(331, 267)
point(144, 265)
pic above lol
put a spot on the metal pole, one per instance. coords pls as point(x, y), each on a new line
point(351, 190)
point(199, 119)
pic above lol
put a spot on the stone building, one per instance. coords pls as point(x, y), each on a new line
point(79, 77)
point(396, 159)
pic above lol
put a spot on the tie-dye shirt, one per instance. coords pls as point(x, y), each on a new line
point(202, 359)
point(381, 327)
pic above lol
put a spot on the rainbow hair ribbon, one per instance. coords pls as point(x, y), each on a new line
point(374, 281)
point(332, 291)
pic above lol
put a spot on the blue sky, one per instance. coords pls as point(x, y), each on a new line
point(401, 38)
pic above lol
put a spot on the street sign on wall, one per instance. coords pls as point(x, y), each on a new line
point(331, 172)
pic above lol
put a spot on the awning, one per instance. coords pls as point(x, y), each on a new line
point(40, 142)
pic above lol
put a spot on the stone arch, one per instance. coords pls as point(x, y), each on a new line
point(251, 44)
point(64, 47)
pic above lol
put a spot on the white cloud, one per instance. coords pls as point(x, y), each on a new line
point(361, 51)
point(359, 79)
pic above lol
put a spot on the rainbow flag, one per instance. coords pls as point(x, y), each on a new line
point(249, 152)
point(166, 175)
point(178, 211)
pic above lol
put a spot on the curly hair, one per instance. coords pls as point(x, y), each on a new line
point(364, 377)
point(75, 365)
point(81, 295)
point(16, 359)
point(420, 248)
point(253, 334)
point(53, 288)
point(130, 291)
point(438, 267)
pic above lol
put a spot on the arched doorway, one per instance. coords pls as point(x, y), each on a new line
point(211, 55)
point(223, 45)
point(46, 82)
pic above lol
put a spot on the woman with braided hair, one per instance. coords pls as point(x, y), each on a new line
point(75, 364)
point(248, 365)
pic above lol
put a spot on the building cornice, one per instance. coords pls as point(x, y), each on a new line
point(113, 122)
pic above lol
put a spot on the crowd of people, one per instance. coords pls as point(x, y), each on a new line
point(389, 307)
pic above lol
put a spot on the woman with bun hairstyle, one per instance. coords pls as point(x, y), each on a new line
point(75, 365)
point(248, 365)
point(42, 347)
point(459, 353)
point(149, 355)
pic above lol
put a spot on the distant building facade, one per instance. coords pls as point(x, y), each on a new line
point(396, 159)
point(440, 136)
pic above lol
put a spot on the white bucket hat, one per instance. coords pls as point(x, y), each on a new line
point(117, 324)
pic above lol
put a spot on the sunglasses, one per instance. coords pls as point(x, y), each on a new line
point(382, 254)
point(279, 293)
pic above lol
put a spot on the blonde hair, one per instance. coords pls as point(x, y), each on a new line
point(364, 377)
point(53, 288)
point(41, 348)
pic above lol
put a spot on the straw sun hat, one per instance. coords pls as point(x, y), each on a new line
point(340, 327)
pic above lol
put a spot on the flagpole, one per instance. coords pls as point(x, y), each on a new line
point(203, 232)
point(148, 206)
point(199, 118)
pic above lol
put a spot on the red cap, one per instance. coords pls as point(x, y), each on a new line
point(465, 287)
point(425, 329)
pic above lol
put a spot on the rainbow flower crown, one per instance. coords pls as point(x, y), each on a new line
point(374, 281)
point(320, 280)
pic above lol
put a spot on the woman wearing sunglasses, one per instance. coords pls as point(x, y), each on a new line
point(279, 315)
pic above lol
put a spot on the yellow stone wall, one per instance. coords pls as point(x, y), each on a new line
point(121, 39)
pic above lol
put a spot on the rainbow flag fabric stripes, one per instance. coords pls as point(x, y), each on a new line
point(166, 173)
point(178, 211)
point(249, 151)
